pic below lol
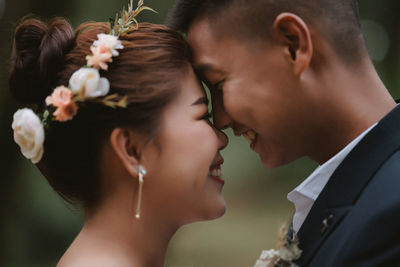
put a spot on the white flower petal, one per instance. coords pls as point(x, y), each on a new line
point(92, 82)
point(87, 82)
point(104, 87)
point(77, 80)
point(38, 157)
point(114, 53)
point(109, 41)
point(28, 134)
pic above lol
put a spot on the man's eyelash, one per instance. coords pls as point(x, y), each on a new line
point(218, 84)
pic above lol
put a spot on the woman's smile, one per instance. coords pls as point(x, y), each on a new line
point(215, 171)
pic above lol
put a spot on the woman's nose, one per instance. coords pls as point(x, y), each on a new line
point(222, 139)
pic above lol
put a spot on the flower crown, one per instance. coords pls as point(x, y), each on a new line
point(85, 85)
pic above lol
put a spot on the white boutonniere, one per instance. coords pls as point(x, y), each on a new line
point(284, 255)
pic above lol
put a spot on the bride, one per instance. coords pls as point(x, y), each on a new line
point(119, 123)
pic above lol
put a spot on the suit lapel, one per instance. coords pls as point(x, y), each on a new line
point(347, 183)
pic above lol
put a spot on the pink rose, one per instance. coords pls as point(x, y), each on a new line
point(62, 99)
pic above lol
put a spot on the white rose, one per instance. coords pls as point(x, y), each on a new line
point(109, 41)
point(87, 83)
point(29, 134)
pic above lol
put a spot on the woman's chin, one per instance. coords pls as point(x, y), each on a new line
point(216, 211)
point(210, 213)
point(220, 213)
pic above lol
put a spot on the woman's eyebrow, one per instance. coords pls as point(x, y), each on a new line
point(200, 101)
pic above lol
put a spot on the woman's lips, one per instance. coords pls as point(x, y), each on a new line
point(215, 172)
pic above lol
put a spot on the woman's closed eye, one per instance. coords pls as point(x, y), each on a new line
point(206, 116)
point(203, 101)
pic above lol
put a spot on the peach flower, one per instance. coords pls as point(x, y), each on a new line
point(62, 99)
point(109, 41)
point(101, 55)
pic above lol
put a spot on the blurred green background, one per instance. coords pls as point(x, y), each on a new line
point(36, 226)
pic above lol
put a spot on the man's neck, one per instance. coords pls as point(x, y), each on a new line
point(349, 102)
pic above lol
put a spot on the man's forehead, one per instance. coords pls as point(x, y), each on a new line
point(199, 34)
point(207, 50)
point(200, 25)
point(201, 45)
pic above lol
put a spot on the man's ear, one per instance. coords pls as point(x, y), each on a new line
point(293, 32)
point(127, 146)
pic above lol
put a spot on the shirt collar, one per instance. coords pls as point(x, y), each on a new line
point(304, 195)
point(313, 185)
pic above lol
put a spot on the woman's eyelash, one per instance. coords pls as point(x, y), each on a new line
point(206, 116)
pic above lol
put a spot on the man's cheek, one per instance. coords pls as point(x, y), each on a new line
point(234, 107)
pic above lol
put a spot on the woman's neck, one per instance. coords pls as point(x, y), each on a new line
point(113, 231)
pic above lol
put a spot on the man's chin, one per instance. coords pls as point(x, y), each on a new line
point(272, 160)
point(270, 164)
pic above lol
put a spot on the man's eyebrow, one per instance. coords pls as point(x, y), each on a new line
point(203, 67)
point(200, 101)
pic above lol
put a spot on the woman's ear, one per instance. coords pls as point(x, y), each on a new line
point(127, 146)
point(293, 33)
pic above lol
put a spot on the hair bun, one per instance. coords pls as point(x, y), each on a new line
point(37, 56)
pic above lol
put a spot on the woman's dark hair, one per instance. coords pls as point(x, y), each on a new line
point(148, 70)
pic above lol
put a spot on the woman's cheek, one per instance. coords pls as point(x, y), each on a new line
point(211, 138)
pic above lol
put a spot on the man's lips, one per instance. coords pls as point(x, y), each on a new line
point(250, 136)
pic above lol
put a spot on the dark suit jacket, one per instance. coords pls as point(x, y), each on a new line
point(359, 206)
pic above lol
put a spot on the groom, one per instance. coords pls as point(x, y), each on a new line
point(294, 77)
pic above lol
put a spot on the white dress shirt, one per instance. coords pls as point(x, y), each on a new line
point(304, 195)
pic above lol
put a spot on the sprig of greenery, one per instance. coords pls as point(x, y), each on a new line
point(45, 117)
point(113, 101)
point(127, 22)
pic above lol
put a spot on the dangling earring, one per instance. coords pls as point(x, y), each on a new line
point(141, 171)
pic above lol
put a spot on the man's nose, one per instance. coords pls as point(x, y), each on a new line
point(221, 119)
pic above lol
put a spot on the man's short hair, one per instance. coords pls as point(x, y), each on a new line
point(337, 20)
